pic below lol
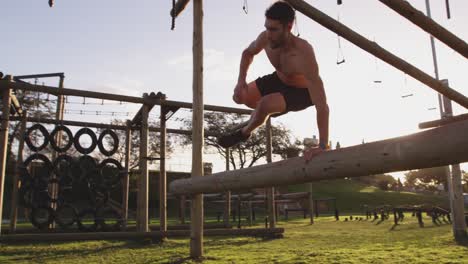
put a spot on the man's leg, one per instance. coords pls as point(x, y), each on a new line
point(268, 105)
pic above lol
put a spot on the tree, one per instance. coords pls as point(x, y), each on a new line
point(35, 105)
point(426, 179)
point(248, 153)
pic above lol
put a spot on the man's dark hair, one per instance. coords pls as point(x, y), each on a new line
point(281, 11)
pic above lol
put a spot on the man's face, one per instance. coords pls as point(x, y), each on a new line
point(276, 33)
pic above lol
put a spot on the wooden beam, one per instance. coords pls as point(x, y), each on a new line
point(418, 18)
point(16, 182)
point(53, 237)
point(104, 126)
point(443, 121)
point(115, 97)
point(196, 217)
point(5, 121)
point(431, 148)
point(179, 7)
point(377, 51)
point(126, 179)
point(143, 183)
point(162, 172)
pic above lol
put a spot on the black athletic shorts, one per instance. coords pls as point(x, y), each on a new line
point(296, 98)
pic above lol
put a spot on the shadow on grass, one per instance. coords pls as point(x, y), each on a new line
point(61, 253)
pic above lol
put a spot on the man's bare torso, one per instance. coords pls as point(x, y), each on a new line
point(287, 63)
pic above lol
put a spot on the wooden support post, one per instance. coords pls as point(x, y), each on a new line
point(162, 174)
point(196, 220)
point(182, 202)
point(126, 179)
point(58, 117)
point(227, 200)
point(377, 51)
point(454, 181)
point(311, 204)
point(430, 148)
point(458, 213)
point(6, 103)
point(16, 182)
point(270, 190)
point(144, 176)
point(405, 9)
point(249, 205)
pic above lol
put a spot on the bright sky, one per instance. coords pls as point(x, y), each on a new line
point(127, 47)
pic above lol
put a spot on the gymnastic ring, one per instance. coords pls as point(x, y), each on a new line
point(111, 181)
point(54, 144)
point(76, 141)
point(65, 178)
point(115, 139)
point(35, 219)
point(62, 222)
point(101, 221)
point(80, 222)
point(27, 138)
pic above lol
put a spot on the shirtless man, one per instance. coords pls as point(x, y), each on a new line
point(294, 86)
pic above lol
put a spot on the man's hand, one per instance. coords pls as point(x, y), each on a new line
point(239, 91)
point(312, 152)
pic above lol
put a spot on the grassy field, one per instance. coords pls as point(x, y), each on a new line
point(326, 241)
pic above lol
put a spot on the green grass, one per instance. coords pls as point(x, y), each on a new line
point(327, 241)
point(350, 194)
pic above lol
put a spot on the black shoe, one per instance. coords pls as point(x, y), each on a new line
point(229, 140)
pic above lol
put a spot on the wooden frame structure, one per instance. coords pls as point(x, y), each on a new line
point(334, 164)
point(138, 123)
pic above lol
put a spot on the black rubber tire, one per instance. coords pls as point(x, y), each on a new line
point(61, 222)
point(81, 225)
point(37, 156)
point(65, 178)
point(53, 143)
point(101, 212)
point(27, 138)
point(115, 138)
point(111, 181)
point(42, 224)
point(76, 141)
point(98, 195)
point(86, 165)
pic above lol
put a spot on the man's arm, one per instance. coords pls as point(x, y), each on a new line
point(317, 95)
point(247, 55)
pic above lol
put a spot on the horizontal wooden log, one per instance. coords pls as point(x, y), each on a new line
point(379, 52)
point(431, 148)
point(53, 237)
point(444, 121)
point(115, 97)
point(405, 9)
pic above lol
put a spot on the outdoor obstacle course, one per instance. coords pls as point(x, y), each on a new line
point(402, 153)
